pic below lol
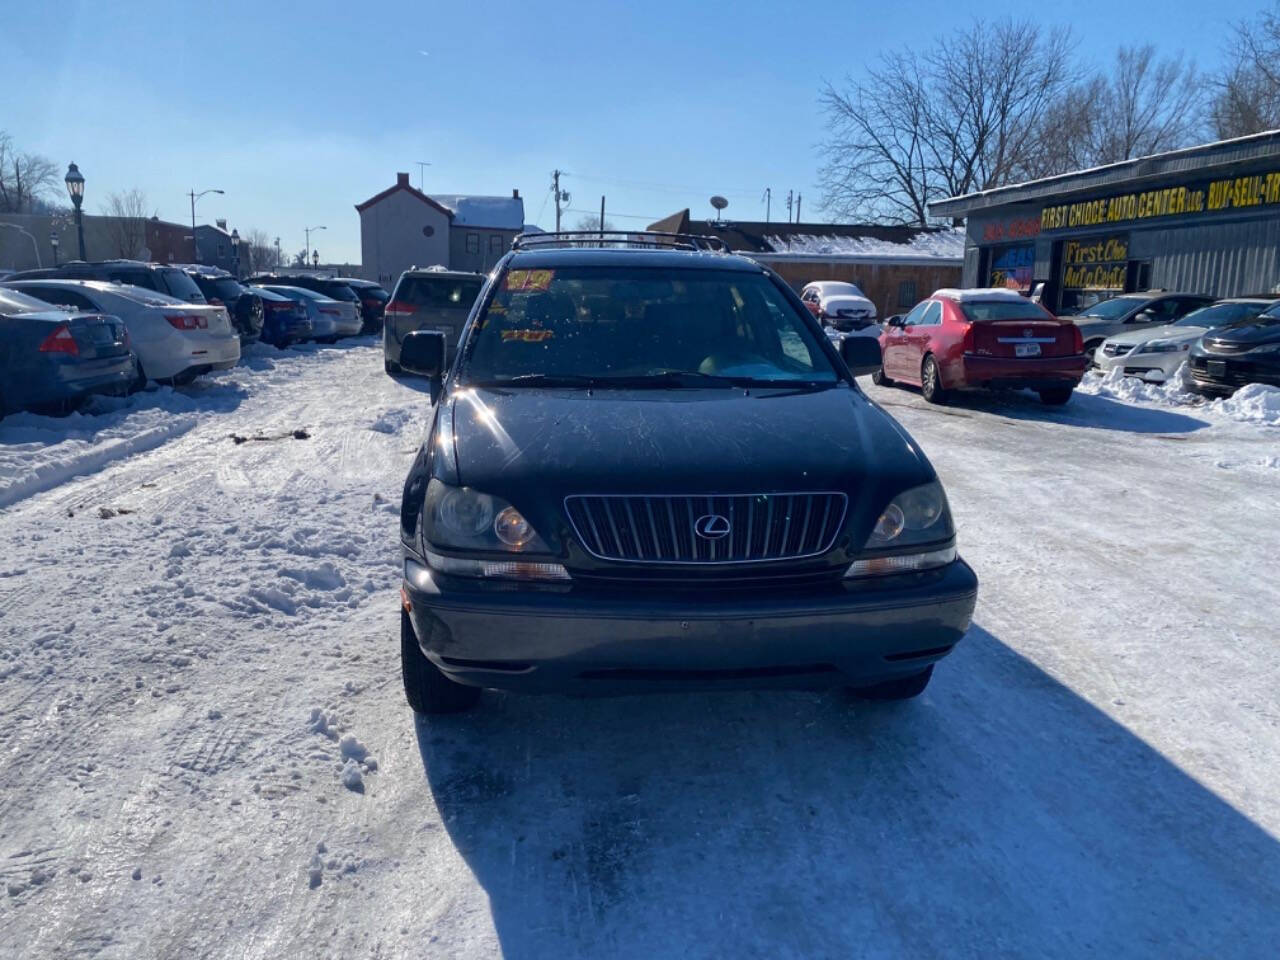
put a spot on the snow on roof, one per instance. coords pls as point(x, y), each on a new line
point(980, 293)
point(494, 213)
point(934, 244)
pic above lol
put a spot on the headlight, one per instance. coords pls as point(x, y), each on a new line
point(465, 519)
point(919, 517)
point(1266, 348)
point(1164, 346)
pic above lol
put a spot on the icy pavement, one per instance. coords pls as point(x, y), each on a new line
point(207, 751)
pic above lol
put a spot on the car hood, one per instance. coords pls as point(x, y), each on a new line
point(1258, 331)
point(534, 447)
point(1168, 331)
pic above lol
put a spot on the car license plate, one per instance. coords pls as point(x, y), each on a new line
point(1026, 349)
point(1217, 368)
point(102, 336)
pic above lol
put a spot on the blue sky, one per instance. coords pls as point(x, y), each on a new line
point(300, 115)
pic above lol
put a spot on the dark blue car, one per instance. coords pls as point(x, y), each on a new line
point(284, 321)
point(51, 360)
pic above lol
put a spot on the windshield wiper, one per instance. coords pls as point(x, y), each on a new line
point(540, 380)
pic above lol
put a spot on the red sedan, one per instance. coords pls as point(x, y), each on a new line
point(961, 339)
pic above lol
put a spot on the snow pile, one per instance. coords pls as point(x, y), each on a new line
point(936, 244)
point(1255, 403)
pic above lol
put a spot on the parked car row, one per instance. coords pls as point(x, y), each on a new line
point(70, 331)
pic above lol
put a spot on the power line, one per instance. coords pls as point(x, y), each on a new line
point(626, 216)
point(652, 185)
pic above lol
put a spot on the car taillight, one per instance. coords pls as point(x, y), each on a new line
point(334, 311)
point(60, 341)
point(968, 338)
point(1077, 339)
point(215, 302)
point(397, 309)
point(187, 321)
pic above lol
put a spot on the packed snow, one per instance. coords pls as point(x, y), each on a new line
point(199, 665)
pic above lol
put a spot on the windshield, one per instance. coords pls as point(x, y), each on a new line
point(978, 310)
point(1113, 309)
point(340, 291)
point(178, 284)
point(296, 292)
point(682, 327)
point(1220, 314)
point(226, 289)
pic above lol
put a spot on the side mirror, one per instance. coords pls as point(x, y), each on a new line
point(422, 352)
point(861, 355)
point(894, 321)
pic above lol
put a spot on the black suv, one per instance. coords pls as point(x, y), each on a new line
point(649, 468)
point(223, 290)
point(159, 277)
point(331, 288)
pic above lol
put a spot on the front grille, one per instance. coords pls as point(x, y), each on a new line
point(1225, 346)
point(661, 529)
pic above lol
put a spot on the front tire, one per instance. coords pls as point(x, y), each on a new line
point(1090, 351)
point(1057, 396)
point(426, 688)
point(880, 380)
point(904, 688)
point(931, 381)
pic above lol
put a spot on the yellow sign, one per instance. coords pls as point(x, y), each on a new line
point(1098, 263)
point(1218, 195)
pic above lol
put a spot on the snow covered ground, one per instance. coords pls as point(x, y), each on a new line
point(207, 752)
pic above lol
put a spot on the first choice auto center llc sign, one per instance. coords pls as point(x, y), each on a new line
point(1214, 197)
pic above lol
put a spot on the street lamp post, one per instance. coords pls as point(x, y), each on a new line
point(235, 252)
point(195, 247)
point(277, 253)
point(315, 259)
point(53, 242)
point(306, 254)
point(75, 187)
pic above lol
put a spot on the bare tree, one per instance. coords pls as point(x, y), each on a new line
point(1147, 105)
point(259, 250)
point(592, 222)
point(129, 212)
point(24, 177)
point(1246, 93)
point(958, 117)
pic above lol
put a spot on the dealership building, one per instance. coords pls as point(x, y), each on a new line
point(1204, 220)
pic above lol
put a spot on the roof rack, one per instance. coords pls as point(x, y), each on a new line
point(621, 238)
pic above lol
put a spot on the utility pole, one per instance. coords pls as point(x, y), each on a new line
point(602, 220)
point(797, 208)
point(277, 253)
point(421, 164)
point(790, 202)
point(561, 196)
point(768, 202)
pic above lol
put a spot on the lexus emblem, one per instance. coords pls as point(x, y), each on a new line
point(711, 526)
point(1028, 333)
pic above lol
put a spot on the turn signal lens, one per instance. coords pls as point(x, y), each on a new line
point(902, 563)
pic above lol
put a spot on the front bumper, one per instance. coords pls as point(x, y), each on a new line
point(1219, 375)
point(1031, 373)
point(594, 641)
point(1151, 367)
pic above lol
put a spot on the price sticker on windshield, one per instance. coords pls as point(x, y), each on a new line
point(526, 336)
point(528, 281)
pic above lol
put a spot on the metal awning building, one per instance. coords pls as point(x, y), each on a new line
point(1204, 219)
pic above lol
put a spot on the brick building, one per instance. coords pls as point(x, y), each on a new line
point(896, 267)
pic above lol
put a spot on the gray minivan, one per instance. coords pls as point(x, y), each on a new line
point(430, 299)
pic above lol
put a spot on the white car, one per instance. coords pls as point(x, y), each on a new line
point(330, 319)
point(841, 306)
point(1154, 354)
point(175, 341)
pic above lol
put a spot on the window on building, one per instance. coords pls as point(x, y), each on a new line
point(473, 243)
point(219, 251)
point(907, 293)
point(495, 243)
